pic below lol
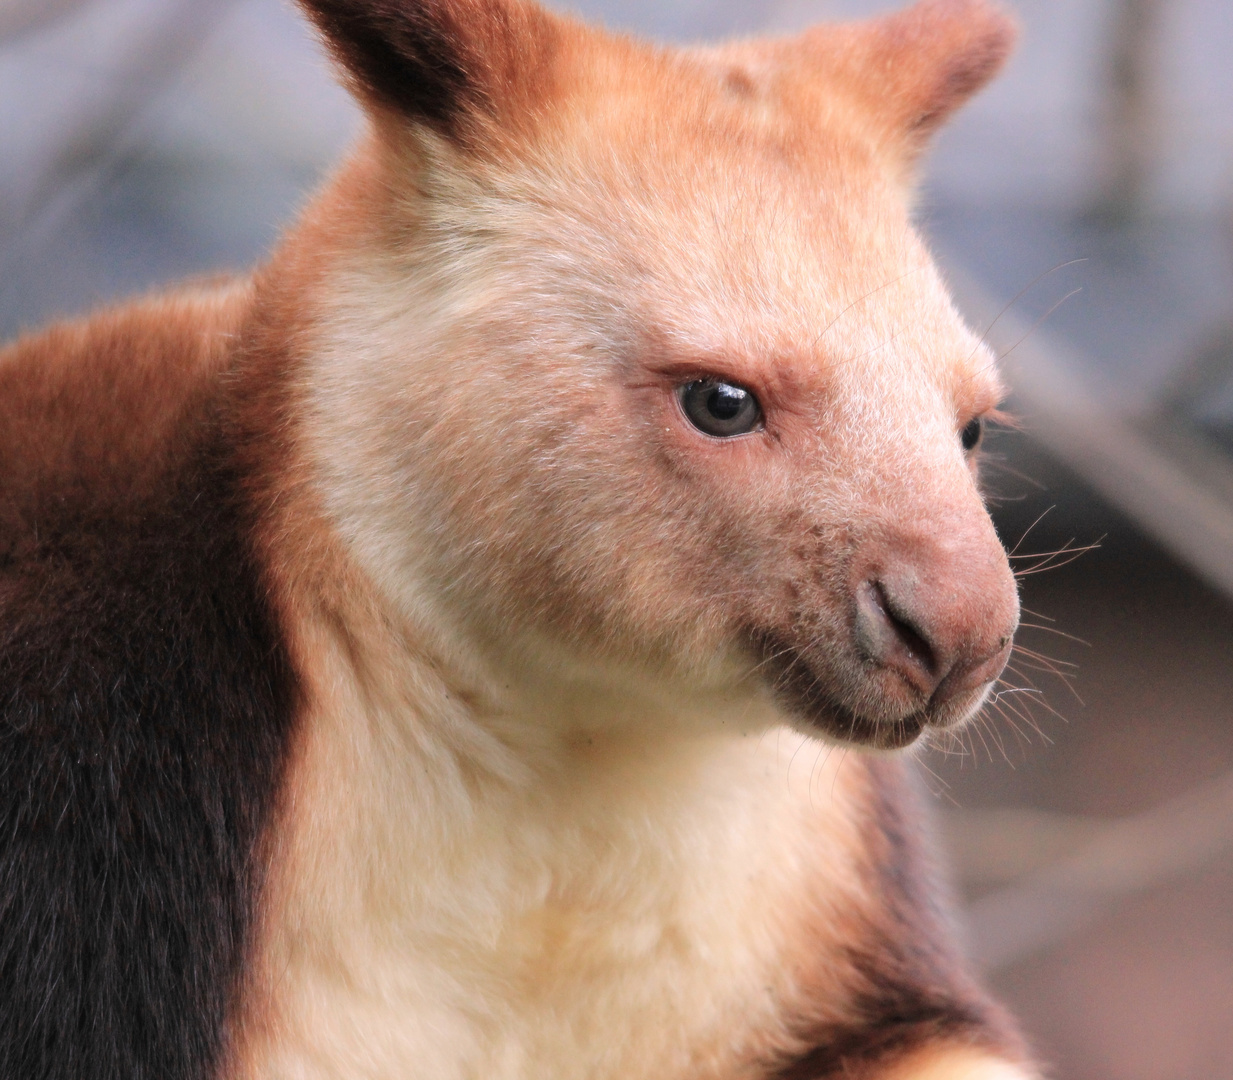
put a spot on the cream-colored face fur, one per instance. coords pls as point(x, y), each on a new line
point(507, 340)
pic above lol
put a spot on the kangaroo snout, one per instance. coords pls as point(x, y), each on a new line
point(932, 612)
point(934, 620)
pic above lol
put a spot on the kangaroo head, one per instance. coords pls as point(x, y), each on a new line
point(633, 356)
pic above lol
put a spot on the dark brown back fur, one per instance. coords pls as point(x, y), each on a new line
point(145, 701)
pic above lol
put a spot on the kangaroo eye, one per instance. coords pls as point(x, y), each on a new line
point(720, 409)
point(972, 434)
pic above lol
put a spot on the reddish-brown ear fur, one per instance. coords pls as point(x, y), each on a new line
point(444, 63)
point(917, 66)
point(942, 52)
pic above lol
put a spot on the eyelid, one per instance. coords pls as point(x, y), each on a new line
point(679, 372)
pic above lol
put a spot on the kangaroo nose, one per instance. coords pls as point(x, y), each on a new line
point(888, 635)
point(944, 626)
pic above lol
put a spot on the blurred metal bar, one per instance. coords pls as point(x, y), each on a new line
point(1178, 488)
point(18, 17)
point(98, 133)
point(1128, 151)
point(1115, 860)
point(90, 144)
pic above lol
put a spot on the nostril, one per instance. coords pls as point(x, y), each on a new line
point(885, 636)
point(911, 639)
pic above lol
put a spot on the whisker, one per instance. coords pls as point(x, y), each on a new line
point(1019, 296)
point(861, 299)
point(1038, 615)
point(1053, 560)
point(998, 463)
point(877, 348)
point(1066, 678)
point(1048, 663)
point(977, 729)
point(1039, 322)
point(1027, 718)
point(1065, 549)
point(792, 760)
point(996, 735)
point(768, 660)
point(813, 772)
point(944, 791)
point(1054, 630)
point(1043, 702)
point(1013, 552)
point(835, 779)
point(1008, 720)
point(1032, 654)
point(1023, 666)
point(994, 699)
point(967, 739)
point(1070, 688)
point(1018, 732)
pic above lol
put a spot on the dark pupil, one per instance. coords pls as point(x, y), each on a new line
point(720, 409)
point(972, 433)
point(726, 402)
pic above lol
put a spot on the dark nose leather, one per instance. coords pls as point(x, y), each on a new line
point(939, 614)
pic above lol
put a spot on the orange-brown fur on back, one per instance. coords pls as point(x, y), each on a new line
point(545, 674)
point(136, 373)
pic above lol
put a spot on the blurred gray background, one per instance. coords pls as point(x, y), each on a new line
point(1083, 207)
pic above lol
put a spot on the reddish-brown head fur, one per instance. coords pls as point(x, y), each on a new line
point(554, 231)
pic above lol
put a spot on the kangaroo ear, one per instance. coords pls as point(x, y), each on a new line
point(917, 66)
point(443, 63)
point(929, 59)
point(938, 53)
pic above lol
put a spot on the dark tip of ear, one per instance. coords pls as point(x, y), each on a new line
point(410, 56)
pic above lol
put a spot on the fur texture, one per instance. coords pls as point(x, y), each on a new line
point(146, 701)
point(398, 684)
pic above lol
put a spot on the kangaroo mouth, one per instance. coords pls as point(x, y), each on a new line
point(839, 724)
point(804, 695)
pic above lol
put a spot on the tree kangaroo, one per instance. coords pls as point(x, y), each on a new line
point(422, 658)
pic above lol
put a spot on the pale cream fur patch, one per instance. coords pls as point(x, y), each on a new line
point(451, 906)
point(957, 1063)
